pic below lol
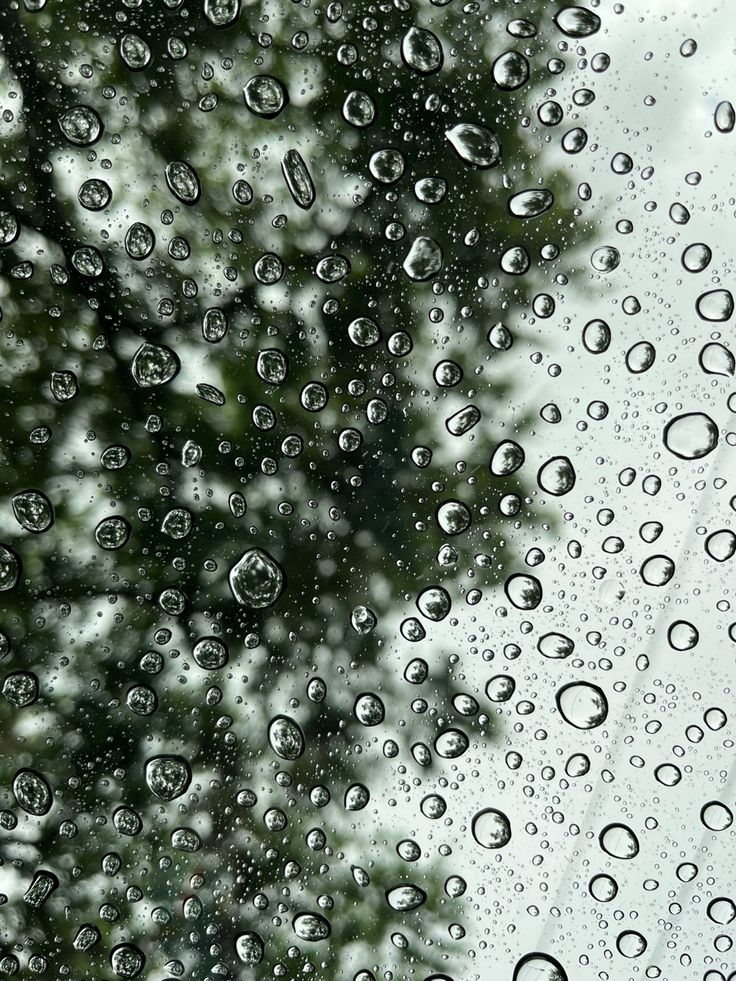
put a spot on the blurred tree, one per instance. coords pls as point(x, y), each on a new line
point(319, 455)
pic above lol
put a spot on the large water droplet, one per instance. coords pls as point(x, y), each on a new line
point(582, 705)
point(422, 50)
point(286, 737)
point(491, 828)
point(32, 792)
point(33, 511)
point(257, 580)
point(168, 777)
point(691, 436)
point(475, 144)
point(311, 927)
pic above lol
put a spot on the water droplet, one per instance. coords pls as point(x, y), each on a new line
point(539, 967)
point(557, 476)
point(33, 511)
point(619, 841)
point(715, 305)
point(311, 927)
point(582, 704)
point(168, 777)
point(250, 948)
point(265, 96)
point(405, 897)
point(491, 828)
point(531, 204)
point(257, 580)
point(424, 259)
point(286, 737)
point(475, 145)
point(691, 436)
point(523, 591)
point(577, 22)
point(32, 792)
point(81, 125)
point(183, 182)
point(298, 179)
point(422, 50)
point(154, 365)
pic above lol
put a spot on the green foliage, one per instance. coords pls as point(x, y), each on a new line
point(350, 528)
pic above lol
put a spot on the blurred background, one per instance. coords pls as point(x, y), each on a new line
point(431, 358)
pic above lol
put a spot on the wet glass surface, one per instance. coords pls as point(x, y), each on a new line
point(367, 490)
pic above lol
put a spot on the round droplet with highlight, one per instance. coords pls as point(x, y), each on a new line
point(286, 738)
point(716, 359)
point(557, 476)
point(539, 967)
point(422, 50)
point(311, 927)
point(507, 458)
point(81, 125)
point(265, 96)
point(94, 194)
point(619, 841)
point(500, 688)
point(168, 777)
point(716, 816)
point(127, 961)
point(358, 109)
point(112, 533)
point(405, 897)
point(555, 645)
point(721, 545)
point(363, 332)
point(523, 591)
point(582, 704)
point(724, 117)
point(722, 910)
point(154, 365)
point(32, 792)
point(577, 22)
point(140, 241)
point(135, 52)
point(640, 357)
point(715, 306)
point(183, 181)
point(596, 336)
point(696, 257)
point(387, 165)
point(369, 709)
point(210, 653)
point(691, 436)
point(657, 570)
point(603, 888)
point(33, 511)
point(605, 259)
point(491, 828)
point(453, 517)
point(434, 603)
point(510, 71)
point(475, 145)
point(451, 744)
point(682, 635)
point(257, 580)
point(250, 948)
point(668, 774)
